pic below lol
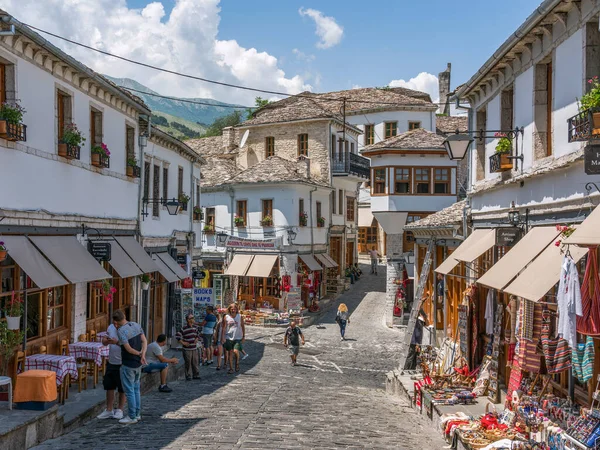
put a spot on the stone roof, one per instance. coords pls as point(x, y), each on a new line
point(208, 146)
point(449, 124)
point(419, 139)
point(446, 218)
point(274, 170)
point(217, 170)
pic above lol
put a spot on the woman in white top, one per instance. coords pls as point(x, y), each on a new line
point(342, 318)
point(234, 335)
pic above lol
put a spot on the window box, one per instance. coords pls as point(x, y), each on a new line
point(99, 160)
point(303, 219)
point(69, 151)
point(320, 222)
point(13, 131)
point(500, 162)
point(197, 214)
point(209, 229)
point(134, 171)
point(239, 222)
point(267, 222)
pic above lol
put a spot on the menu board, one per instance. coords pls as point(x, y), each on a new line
point(464, 330)
point(294, 299)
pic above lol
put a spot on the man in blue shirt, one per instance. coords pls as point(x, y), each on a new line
point(208, 329)
point(133, 354)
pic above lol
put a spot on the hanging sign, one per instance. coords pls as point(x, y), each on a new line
point(181, 259)
point(508, 236)
point(235, 242)
point(100, 250)
point(203, 297)
point(592, 160)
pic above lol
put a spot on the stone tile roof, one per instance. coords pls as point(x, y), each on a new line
point(449, 124)
point(217, 170)
point(419, 139)
point(274, 170)
point(447, 218)
point(208, 146)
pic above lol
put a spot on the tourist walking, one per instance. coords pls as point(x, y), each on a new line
point(415, 342)
point(291, 339)
point(342, 318)
point(112, 375)
point(218, 343)
point(374, 259)
point(234, 334)
point(188, 336)
point(208, 330)
point(133, 354)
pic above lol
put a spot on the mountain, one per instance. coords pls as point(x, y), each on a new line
point(177, 126)
point(200, 114)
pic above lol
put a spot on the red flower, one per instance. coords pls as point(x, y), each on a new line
point(557, 243)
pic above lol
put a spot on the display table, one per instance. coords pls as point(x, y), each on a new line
point(35, 386)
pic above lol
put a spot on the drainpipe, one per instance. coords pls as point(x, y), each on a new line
point(312, 235)
point(139, 301)
point(232, 196)
point(191, 217)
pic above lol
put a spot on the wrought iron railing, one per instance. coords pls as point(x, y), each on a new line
point(137, 171)
point(499, 162)
point(14, 131)
point(73, 151)
point(105, 161)
point(351, 164)
point(581, 126)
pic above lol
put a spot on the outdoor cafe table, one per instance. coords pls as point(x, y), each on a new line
point(93, 351)
point(61, 364)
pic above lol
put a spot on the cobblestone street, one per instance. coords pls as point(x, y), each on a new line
point(334, 398)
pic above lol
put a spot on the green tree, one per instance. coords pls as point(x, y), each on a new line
point(216, 128)
point(259, 102)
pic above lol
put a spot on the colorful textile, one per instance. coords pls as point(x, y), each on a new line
point(530, 325)
point(589, 322)
point(514, 383)
point(583, 360)
point(568, 298)
point(527, 319)
point(93, 351)
point(556, 352)
point(62, 365)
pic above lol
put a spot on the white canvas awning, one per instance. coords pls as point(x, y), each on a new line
point(392, 222)
point(261, 266)
point(164, 270)
point(239, 265)
point(120, 260)
point(137, 253)
point(476, 249)
point(311, 263)
point(453, 260)
point(172, 264)
point(324, 261)
point(588, 232)
point(365, 217)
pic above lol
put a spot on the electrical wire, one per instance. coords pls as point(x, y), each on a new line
point(221, 83)
point(195, 102)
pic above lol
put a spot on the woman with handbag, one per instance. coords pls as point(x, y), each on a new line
point(342, 318)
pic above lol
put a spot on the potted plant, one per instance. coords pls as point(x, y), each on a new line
point(320, 221)
point(500, 161)
point(239, 221)
point(303, 219)
point(131, 165)
point(100, 155)
point(197, 213)
point(108, 291)
point(13, 311)
point(267, 221)
point(9, 342)
point(70, 143)
point(11, 116)
point(183, 200)
point(591, 102)
point(145, 279)
point(3, 251)
point(209, 228)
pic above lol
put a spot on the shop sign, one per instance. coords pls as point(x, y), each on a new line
point(203, 297)
point(233, 242)
point(181, 259)
point(507, 237)
point(592, 160)
point(100, 250)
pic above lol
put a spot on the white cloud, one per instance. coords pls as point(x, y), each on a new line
point(424, 82)
point(328, 30)
point(184, 41)
point(303, 56)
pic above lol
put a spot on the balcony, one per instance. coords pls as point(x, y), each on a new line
point(584, 126)
point(500, 162)
point(13, 131)
point(351, 164)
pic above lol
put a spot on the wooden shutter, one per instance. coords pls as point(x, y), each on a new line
point(165, 189)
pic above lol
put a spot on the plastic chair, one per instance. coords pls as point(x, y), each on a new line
point(7, 381)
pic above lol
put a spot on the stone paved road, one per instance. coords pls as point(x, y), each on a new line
point(334, 399)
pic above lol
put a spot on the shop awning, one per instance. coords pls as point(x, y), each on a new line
point(365, 217)
point(509, 266)
point(542, 274)
point(324, 261)
point(164, 270)
point(33, 262)
point(475, 250)
point(261, 266)
point(239, 265)
point(391, 222)
point(172, 264)
point(588, 232)
point(137, 253)
point(330, 259)
point(311, 263)
point(452, 261)
point(120, 261)
point(70, 258)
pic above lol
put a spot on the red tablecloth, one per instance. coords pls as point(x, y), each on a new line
point(93, 351)
point(62, 365)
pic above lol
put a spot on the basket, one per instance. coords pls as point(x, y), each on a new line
point(487, 408)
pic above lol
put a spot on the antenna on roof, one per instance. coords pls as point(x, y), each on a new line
point(244, 138)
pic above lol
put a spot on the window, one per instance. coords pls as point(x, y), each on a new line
point(241, 210)
point(303, 144)
point(441, 181)
point(3, 83)
point(267, 209)
point(210, 217)
point(146, 180)
point(269, 146)
point(96, 132)
point(414, 125)
point(155, 189)
point(341, 201)
point(129, 142)
point(63, 111)
point(165, 189)
point(197, 202)
point(333, 146)
point(179, 182)
point(402, 181)
point(351, 147)
point(319, 215)
point(409, 238)
point(391, 129)
point(369, 134)
point(379, 180)
point(301, 212)
point(350, 209)
point(56, 308)
point(333, 202)
point(422, 181)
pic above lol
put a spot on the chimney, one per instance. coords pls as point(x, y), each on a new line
point(228, 139)
point(306, 161)
point(444, 90)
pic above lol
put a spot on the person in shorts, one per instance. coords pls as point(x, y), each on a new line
point(112, 375)
point(158, 363)
point(234, 334)
point(208, 329)
point(291, 340)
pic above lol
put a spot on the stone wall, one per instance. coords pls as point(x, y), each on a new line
point(394, 246)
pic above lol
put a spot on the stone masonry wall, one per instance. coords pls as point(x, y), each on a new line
point(394, 246)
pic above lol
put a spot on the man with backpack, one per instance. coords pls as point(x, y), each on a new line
point(291, 340)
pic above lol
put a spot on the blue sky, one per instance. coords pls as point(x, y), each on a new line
point(382, 41)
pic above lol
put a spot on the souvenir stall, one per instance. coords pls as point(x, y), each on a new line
point(310, 277)
point(331, 276)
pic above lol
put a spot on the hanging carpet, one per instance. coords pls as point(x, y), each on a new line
point(589, 323)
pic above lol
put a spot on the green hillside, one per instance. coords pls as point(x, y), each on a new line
point(177, 126)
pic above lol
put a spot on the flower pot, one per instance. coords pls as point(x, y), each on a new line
point(12, 131)
point(3, 255)
point(596, 120)
point(13, 323)
point(129, 171)
point(500, 162)
point(62, 150)
point(145, 286)
point(96, 159)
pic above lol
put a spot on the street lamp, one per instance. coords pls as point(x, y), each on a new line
point(221, 237)
point(457, 145)
point(172, 205)
point(514, 216)
point(291, 235)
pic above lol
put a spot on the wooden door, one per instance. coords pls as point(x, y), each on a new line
point(335, 251)
point(349, 253)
